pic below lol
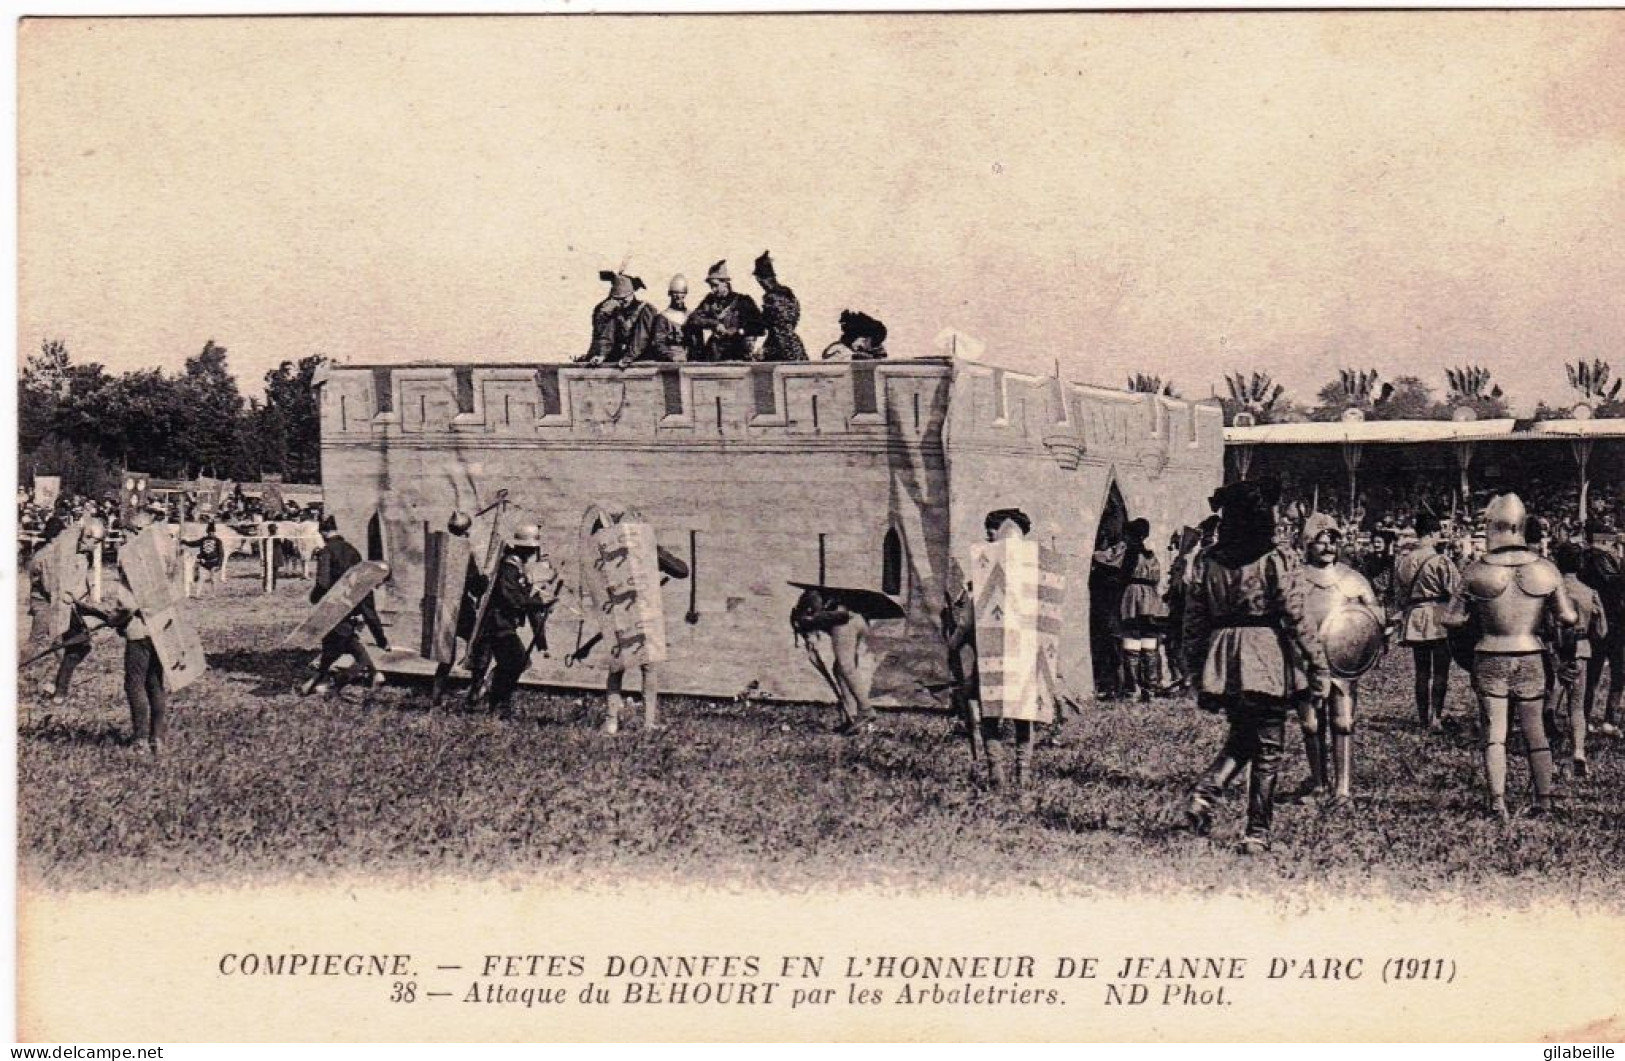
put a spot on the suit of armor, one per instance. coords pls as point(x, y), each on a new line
point(1329, 588)
point(1511, 591)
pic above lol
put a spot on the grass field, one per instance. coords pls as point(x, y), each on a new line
point(259, 783)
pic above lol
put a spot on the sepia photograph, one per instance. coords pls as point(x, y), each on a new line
point(932, 526)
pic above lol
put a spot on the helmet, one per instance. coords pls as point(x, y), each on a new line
point(94, 530)
point(459, 523)
point(329, 525)
point(527, 535)
point(1504, 520)
point(1319, 524)
point(678, 285)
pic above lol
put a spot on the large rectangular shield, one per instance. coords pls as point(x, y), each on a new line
point(147, 568)
point(47, 488)
point(621, 574)
point(445, 569)
point(133, 497)
point(57, 567)
point(1019, 595)
point(351, 589)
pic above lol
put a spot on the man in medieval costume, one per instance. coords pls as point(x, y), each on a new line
point(59, 577)
point(1251, 652)
point(335, 558)
point(781, 312)
point(1329, 588)
point(1514, 594)
point(615, 320)
point(724, 325)
point(1566, 702)
point(659, 336)
point(1602, 569)
point(1425, 579)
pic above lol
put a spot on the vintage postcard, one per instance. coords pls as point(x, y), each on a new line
point(915, 526)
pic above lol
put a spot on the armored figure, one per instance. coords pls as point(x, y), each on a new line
point(1341, 606)
point(725, 325)
point(1512, 592)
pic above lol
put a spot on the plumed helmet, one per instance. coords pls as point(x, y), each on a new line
point(94, 530)
point(621, 285)
point(678, 285)
point(1319, 524)
point(459, 523)
point(1504, 520)
point(718, 271)
point(527, 535)
point(764, 267)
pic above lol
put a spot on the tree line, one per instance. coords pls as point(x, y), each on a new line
point(86, 424)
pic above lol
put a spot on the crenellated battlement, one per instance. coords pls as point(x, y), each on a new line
point(896, 402)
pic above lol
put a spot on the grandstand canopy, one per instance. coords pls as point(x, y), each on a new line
point(1378, 431)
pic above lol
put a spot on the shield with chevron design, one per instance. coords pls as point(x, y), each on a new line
point(1020, 589)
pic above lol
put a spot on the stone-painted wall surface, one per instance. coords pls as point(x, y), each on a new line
point(757, 476)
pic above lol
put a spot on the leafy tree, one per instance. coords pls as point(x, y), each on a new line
point(1352, 389)
point(1408, 399)
point(291, 420)
point(210, 435)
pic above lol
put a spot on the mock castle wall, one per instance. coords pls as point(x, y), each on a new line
point(757, 475)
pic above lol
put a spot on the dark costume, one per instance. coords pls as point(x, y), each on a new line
point(334, 559)
point(509, 609)
point(474, 583)
point(1251, 651)
point(732, 321)
point(1604, 573)
point(781, 312)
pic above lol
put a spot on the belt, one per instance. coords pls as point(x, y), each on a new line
point(1242, 621)
point(1427, 600)
point(1142, 582)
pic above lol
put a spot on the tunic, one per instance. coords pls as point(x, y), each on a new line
point(1424, 581)
point(1140, 597)
point(1246, 629)
point(732, 320)
point(781, 312)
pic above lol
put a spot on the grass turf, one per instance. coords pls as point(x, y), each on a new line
point(258, 783)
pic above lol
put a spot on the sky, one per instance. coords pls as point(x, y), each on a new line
point(1185, 194)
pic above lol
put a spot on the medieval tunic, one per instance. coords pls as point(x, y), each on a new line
point(1141, 601)
point(732, 319)
point(1425, 580)
point(1247, 630)
point(613, 323)
point(781, 312)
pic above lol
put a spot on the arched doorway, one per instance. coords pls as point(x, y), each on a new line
point(1105, 595)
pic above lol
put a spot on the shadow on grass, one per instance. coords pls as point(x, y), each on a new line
point(50, 730)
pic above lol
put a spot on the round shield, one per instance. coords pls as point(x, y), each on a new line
point(1354, 640)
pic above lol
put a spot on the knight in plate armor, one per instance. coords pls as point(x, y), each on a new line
point(1332, 593)
point(1512, 592)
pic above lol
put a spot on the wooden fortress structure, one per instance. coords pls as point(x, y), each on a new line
point(870, 474)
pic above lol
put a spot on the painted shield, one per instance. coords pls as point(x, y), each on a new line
point(1019, 592)
point(350, 590)
point(133, 497)
point(1354, 640)
point(621, 578)
point(148, 568)
point(58, 567)
point(445, 568)
point(47, 488)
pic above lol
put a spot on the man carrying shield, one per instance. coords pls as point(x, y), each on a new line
point(1342, 607)
point(60, 580)
point(336, 557)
